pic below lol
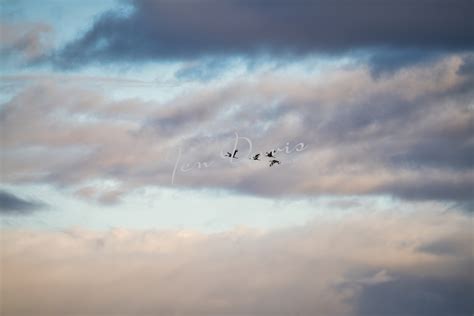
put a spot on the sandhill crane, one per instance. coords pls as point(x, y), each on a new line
point(274, 161)
point(232, 155)
point(271, 154)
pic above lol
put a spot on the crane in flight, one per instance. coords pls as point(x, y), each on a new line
point(274, 161)
point(232, 155)
point(270, 154)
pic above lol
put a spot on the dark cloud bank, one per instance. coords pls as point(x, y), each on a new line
point(10, 204)
point(400, 31)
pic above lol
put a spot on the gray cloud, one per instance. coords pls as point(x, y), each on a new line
point(205, 70)
point(387, 61)
point(451, 246)
point(11, 204)
point(408, 135)
point(412, 296)
point(361, 264)
point(166, 30)
point(459, 189)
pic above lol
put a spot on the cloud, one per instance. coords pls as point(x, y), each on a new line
point(205, 70)
point(450, 298)
point(388, 61)
point(13, 205)
point(167, 30)
point(25, 41)
point(329, 266)
point(458, 188)
point(103, 196)
point(408, 135)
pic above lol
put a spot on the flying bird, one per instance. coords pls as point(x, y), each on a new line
point(274, 161)
point(256, 157)
point(232, 155)
point(270, 154)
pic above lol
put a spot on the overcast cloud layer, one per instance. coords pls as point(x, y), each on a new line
point(366, 264)
point(120, 114)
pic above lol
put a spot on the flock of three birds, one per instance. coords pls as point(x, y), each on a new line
point(269, 154)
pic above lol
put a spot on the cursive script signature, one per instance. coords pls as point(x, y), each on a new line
point(239, 142)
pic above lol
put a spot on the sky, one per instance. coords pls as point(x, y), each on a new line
point(117, 196)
